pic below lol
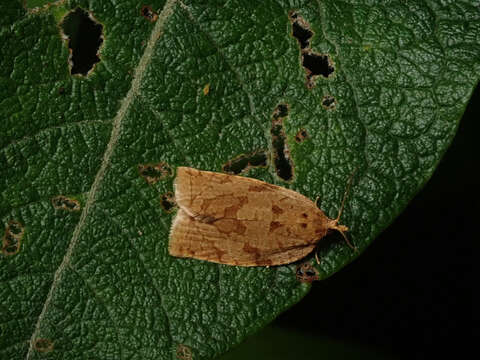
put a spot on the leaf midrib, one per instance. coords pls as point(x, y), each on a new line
point(139, 72)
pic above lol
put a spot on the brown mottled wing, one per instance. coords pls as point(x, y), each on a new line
point(241, 221)
point(191, 238)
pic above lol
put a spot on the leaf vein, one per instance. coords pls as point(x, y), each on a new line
point(116, 132)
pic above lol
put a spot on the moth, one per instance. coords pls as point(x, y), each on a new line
point(236, 220)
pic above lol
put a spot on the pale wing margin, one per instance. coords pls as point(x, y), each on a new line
point(191, 184)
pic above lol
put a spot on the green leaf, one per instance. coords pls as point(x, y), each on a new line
point(86, 159)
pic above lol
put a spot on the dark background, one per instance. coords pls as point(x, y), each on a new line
point(410, 293)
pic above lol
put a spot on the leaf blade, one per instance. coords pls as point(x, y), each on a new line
point(119, 277)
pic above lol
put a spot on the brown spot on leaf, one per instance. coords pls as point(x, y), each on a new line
point(153, 173)
point(245, 162)
point(167, 202)
point(206, 89)
point(329, 102)
point(12, 239)
point(184, 352)
point(306, 273)
point(43, 345)
point(148, 13)
point(301, 135)
point(61, 202)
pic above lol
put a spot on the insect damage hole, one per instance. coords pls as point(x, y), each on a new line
point(184, 352)
point(301, 135)
point(167, 202)
point(313, 63)
point(245, 162)
point(316, 64)
point(148, 13)
point(85, 37)
point(300, 29)
point(306, 273)
point(329, 102)
point(12, 238)
point(281, 154)
point(61, 202)
point(152, 173)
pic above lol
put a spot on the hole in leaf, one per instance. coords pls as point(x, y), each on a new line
point(329, 102)
point(300, 30)
point(317, 64)
point(85, 37)
point(148, 13)
point(306, 273)
point(280, 112)
point(153, 173)
point(301, 135)
point(245, 162)
point(61, 202)
point(313, 63)
point(184, 352)
point(281, 154)
point(12, 238)
point(43, 345)
point(167, 201)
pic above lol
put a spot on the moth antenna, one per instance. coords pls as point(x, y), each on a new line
point(341, 229)
point(345, 195)
point(316, 256)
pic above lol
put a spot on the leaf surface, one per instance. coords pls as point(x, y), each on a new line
point(198, 86)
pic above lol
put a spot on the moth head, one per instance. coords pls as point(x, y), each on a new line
point(342, 229)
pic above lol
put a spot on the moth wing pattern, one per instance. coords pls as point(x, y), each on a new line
point(218, 188)
point(194, 239)
point(241, 221)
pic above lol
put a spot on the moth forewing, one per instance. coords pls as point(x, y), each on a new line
point(242, 221)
